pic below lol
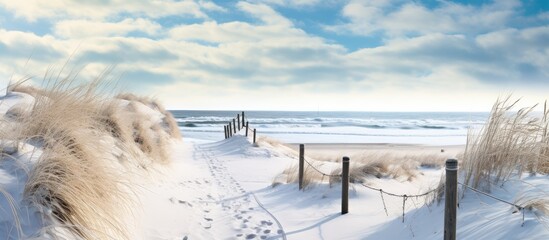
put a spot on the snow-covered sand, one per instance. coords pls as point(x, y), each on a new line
point(232, 189)
point(224, 190)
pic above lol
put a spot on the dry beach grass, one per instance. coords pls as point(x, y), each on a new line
point(381, 163)
point(91, 144)
point(509, 144)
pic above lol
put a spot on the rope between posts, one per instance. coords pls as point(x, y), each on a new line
point(401, 195)
point(323, 174)
point(491, 196)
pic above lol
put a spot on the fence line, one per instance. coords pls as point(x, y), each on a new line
point(450, 188)
point(403, 196)
point(491, 196)
point(319, 171)
point(236, 124)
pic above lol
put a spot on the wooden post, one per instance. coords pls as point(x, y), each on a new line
point(247, 128)
point(243, 121)
point(301, 164)
point(254, 135)
point(451, 200)
point(230, 130)
point(238, 119)
point(234, 125)
point(345, 186)
point(225, 131)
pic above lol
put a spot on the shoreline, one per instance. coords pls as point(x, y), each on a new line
point(382, 148)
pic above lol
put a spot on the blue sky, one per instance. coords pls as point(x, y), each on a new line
point(383, 55)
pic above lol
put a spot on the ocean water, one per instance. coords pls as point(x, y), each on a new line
point(430, 128)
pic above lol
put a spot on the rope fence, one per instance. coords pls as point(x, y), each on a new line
point(403, 196)
point(449, 188)
point(319, 171)
point(491, 196)
point(236, 124)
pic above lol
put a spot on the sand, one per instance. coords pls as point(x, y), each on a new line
point(346, 149)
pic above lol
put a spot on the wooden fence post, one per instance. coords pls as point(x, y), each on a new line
point(234, 125)
point(345, 186)
point(254, 135)
point(225, 131)
point(230, 130)
point(247, 128)
point(451, 200)
point(238, 119)
point(243, 121)
point(301, 164)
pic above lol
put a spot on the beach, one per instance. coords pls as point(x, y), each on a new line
point(369, 148)
point(209, 186)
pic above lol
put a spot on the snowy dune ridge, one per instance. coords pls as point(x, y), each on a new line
point(70, 157)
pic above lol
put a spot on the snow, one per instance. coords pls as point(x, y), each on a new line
point(224, 190)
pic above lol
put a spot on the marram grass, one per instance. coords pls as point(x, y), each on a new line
point(91, 143)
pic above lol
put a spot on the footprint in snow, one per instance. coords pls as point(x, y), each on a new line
point(268, 223)
point(251, 236)
point(185, 202)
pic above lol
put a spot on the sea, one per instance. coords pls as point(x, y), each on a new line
point(427, 128)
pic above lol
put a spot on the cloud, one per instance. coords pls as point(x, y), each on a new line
point(122, 51)
point(32, 10)
point(16, 45)
point(211, 6)
point(425, 52)
point(265, 13)
point(141, 80)
point(289, 3)
point(72, 29)
point(398, 18)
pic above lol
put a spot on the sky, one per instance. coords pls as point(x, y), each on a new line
point(345, 55)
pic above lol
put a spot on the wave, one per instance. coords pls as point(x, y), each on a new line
point(318, 122)
point(378, 134)
point(330, 125)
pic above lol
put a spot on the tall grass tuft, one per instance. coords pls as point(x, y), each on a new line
point(90, 144)
point(363, 165)
point(510, 143)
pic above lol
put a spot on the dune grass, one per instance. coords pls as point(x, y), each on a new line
point(91, 143)
point(510, 144)
point(364, 165)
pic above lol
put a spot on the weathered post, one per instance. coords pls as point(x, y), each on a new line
point(451, 200)
point(243, 121)
point(234, 125)
point(230, 130)
point(301, 164)
point(238, 119)
point(225, 131)
point(247, 128)
point(254, 135)
point(345, 186)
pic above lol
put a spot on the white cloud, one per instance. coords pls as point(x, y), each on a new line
point(86, 28)
point(265, 13)
point(211, 6)
point(32, 10)
point(213, 64)
point(290, 3)
point(397, 18)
